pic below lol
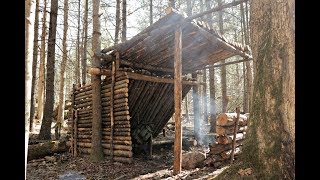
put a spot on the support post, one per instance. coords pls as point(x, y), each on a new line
point(75, 133)
point(177, 102)
point(72, 119)
point(196, 112)
point(113, 74)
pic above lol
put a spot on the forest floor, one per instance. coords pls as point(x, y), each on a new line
point(65, 167)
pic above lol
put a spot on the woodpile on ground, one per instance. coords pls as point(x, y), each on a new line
point(221, 151)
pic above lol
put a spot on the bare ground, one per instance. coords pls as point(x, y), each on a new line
point(64, 166)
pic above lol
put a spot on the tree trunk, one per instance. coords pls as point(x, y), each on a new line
point(47, 148)
point(270, 143)
point(189, 8)
point(116, 36)
point(42, 62)
point(29, 23)
point(172, 3)
point(96, 149)
point(78, 46)
point(62, 72)
point(124, 21)
point(45, 130)
point(34, 64)
point(196, 119)
point(84, 57)
point(223, 68)
point(151, 12)
point(212, 105)
point(248, 74)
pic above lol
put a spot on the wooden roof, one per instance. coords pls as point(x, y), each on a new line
point(153, 48)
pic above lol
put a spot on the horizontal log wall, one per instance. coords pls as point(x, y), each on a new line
point(122, 144)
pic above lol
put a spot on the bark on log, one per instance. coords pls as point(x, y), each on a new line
point(227, 130)
point(228, 139)
point(219, 148)
point(228, 119)
point(45, 149)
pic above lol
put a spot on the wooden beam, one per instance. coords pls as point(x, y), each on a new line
point(98, 71)
point(177, 102)
point(138, 65)
point(142, 77)
point(196, 110)
point(228, 63)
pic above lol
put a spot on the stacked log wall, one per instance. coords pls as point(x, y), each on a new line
point(121, 141)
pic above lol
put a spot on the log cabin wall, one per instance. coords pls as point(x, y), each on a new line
point(141, 110)
point(81, 123)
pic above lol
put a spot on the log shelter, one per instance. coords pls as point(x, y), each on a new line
point(144, 81)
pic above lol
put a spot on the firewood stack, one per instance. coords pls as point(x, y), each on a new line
point(220, 151)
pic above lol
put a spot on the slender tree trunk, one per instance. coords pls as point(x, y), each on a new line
point(172, 3)
point(209, 16)
point(204, 97)
point(62, 72)
point(117, 30)
point(195, 98)
point(124, 21)
point(248, 76)
point(212, 104)
point(34, 64)
point(204, 72)
point(29, 23)
point(186, 107)
point(270, 143)
point(42, 62)
point(189, 8)
point(151, 12)
point(45, 130)
point(78, 46)
point(84, 58)
point(96, 148)
point(223, 68)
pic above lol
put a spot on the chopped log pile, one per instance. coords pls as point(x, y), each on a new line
point(220, 151)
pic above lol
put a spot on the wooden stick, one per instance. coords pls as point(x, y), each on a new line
point(177, 102)
point(234, 134)
point(72, 118)
point(111, 103)
point(75, 133)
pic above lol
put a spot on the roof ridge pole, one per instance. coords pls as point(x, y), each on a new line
point(177, 100)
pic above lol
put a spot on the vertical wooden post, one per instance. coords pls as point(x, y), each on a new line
point(117, 60)
point(196, 112)
point(177, 102)
point(72, 118)
point(111, 104)
point(75, 133)
point(235, 134)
